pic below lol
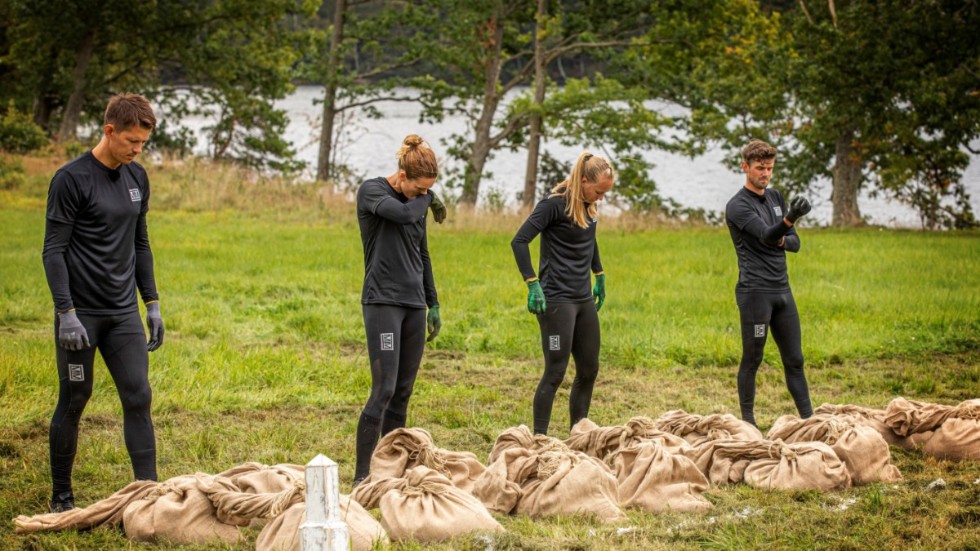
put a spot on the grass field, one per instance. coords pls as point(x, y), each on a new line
point(264, 357)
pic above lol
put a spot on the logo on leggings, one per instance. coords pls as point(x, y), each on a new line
point(554, 342)
point(76, 372)
point(760, 330)
point(387, 341)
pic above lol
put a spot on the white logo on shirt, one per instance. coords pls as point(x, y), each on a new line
point(387, 341)
point(134, 195)
point(76, 372)
point(554, 342)
point(778, 210)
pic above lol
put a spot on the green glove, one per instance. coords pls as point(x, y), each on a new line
point(535, 297)
point(433, 322)
point(438, 209)
point(599, 291)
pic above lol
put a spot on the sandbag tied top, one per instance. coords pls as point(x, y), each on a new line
point(601, 442)
point(772, 464)
point(178, 511)
point(108, 511)
point(947, 432)
point(907, 417)
point(522, 437)
point(548, 481)
point(241, 508)
point(404, 448)
point(282, 533)
point(698, 429)
point(862, 449)
point(427, 507)
point(874, 418)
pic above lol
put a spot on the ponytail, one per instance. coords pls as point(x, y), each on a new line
point(417, 159)
point(587, 167)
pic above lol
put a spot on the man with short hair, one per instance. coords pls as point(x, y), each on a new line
point(96, 256)
point(762, 229)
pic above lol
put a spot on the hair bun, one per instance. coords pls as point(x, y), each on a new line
point(413, 140)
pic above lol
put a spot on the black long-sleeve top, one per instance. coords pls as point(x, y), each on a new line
point(397, 267)
point(756, 225)
point(96, 245)
point(568, 252)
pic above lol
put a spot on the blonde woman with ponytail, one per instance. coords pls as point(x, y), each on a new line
point(398, 288)
point(562, 293)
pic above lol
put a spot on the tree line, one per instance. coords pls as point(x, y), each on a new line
point(877, 95)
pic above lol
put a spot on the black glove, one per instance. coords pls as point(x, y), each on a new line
point(154, 322)
point(71, 333)
point(798, 207)
point(438, 209)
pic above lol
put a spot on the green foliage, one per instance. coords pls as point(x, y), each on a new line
point(18, 133)
point(12, 175)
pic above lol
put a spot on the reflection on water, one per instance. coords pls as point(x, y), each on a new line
point(369, 147)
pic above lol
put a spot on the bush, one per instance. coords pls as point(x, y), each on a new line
point(12, 174)
point(18, 133)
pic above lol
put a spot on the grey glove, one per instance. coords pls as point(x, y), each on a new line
point(798, 207)
point(154, 322)
point(438, 208)
point(71, 333)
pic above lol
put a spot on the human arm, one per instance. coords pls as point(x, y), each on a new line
point(599, 287)
point(747, 219)
point(433, 320)
point(372, 197)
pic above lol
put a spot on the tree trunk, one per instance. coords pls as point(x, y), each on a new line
point(491, 100)
point(846, 182)
point(324, 161)
point(534, 132)
point(73, 109)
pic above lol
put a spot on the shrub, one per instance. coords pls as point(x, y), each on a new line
point(18, 133)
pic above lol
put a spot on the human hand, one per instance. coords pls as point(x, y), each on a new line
point(798, 207)
point(154, 322)
point(536, 303)
point(437, 207)
point(433, 323)
point(71, 333)
point(599, 291)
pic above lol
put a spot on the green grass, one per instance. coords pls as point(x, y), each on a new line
point(264, 358)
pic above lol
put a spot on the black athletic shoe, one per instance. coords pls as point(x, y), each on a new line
point(62, 502)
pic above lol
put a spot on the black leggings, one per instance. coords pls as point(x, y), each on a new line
point(122, 344)
point(567, 329)
point(759, 312)
point(395, 339)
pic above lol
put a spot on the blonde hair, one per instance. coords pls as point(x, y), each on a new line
point(417, 159)
point(587, 167)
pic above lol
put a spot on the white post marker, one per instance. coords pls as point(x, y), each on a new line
point(323, 529)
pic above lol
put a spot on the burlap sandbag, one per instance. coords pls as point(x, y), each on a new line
point(108, 511)
point(654, 479)
point(874, 418)
point(698, 429)
point(951, 432)
point(425, 506)
point(282, 533)
point(545, 482)
point(773, 464)
point(179, 511)
point(601, 442)
point(862, 449)
point(521, 437)
point(404, 448)
point(239, 508)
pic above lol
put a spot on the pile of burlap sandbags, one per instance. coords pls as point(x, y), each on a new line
point(540, 476)
point(728, 450)
point(862, 449)
point(203, 508)
point(946, 432)
point(651, 471)
point(874, 418)
point(423, 491)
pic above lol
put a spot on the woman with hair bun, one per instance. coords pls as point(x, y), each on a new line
point(398, 287)
point(562, 294)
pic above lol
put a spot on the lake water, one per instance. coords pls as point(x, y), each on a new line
point(703, 182)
